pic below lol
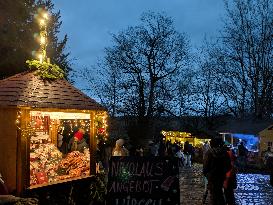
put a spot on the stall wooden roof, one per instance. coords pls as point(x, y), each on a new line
point(244, 126)
point(28, 90)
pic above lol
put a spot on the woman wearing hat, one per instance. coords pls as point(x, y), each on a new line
point(119, 149)
point(78, 142)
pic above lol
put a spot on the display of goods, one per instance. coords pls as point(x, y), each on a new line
point(44, 159)
point(75, 164)
point(48, 165)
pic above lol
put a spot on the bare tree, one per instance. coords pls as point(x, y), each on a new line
point(143, 67)
point(149, 58)
point(103, 83)
point(206, 100)
point(247, 50)
point(243, 58)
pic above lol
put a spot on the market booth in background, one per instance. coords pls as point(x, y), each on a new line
point(251, 142)
point(182, 137)
point(266, 139)
point(48, 132)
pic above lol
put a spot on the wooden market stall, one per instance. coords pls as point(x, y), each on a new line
point(266, 140)
point(34, 114)
point(182, 137)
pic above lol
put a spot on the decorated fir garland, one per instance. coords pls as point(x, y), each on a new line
point(100, 125)
point(46, 70)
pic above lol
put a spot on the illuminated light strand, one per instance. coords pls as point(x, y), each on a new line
point(101, 123)
point(43, 37)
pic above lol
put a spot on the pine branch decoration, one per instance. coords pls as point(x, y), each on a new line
point(46, 70)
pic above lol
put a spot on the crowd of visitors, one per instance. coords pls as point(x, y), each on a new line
point(185, 153)
point(219, 163)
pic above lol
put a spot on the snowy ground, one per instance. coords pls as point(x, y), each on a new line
point(253, 189)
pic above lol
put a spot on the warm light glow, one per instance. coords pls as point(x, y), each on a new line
point(43, 40)
point(62, 115)
point(42, 22)
point(45, 15)
point(40, 56)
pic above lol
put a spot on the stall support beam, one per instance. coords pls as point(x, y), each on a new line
point(93, 144)
point(23, 166)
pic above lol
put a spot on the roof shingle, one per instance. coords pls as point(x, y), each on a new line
point(27, 89)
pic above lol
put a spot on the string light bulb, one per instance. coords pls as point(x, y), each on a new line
point(45, 15)
point(43, 40)
point(43, 35)
point(42, 22)
point(17, 121)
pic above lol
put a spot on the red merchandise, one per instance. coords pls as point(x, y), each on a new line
point(101, 130)
point(78, 135)
point(42, 177)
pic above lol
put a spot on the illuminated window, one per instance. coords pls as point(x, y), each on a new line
point(59, 147)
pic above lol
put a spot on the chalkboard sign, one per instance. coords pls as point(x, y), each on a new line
point(143, 181)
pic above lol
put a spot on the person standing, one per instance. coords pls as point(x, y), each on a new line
point(153, 149)
point(169, 150)
point(269, 166)
point(119, 149)
point(242, 155)
point(78, 143)
point(161, 149)
point(216, 165)
point(187, 153)
point(206, 148)
point(140, 151)
point(230, 182)
point(65, 147)
point(179, 154)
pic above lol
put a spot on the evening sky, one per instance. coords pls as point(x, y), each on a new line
point(89, 23)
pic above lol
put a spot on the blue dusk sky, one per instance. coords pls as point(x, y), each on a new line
point(89, 23)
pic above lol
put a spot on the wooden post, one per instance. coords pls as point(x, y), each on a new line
point(93, 144)
point(8, 147)
point(53, 132)
point(23, 143)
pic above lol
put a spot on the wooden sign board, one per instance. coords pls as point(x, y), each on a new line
point(143, 180)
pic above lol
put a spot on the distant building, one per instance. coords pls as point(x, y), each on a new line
point(266, 139)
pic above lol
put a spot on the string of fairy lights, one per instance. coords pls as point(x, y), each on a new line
point(73, 125)
point(175, 136)
point(45, 124)
point(181, 137)
point(43, 18)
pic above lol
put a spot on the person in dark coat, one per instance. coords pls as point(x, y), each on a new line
point(216, 164)
point(230, 182)
point(242, 155)
point(66, 138)
point(161, 149)
point(269, 166)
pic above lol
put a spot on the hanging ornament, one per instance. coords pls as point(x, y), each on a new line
point(101, 130)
